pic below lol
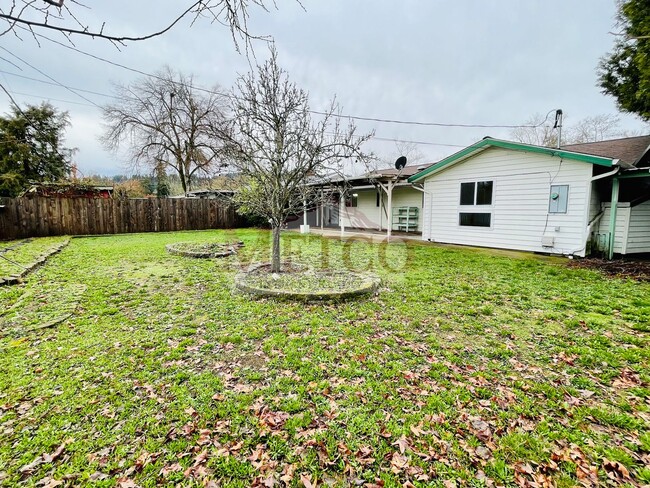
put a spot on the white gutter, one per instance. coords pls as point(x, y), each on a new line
point(610, 173)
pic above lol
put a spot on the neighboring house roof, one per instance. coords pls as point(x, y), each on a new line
point(628, 150)
point(488, 142)
point(406, 171)
point(200, 193)
point(375, 175)
point(68, 189)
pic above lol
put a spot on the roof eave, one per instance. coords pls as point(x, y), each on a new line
point(516, 146)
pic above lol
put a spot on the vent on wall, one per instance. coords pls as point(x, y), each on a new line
point(548, 241)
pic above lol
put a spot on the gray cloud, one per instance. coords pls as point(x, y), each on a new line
point(444, 61)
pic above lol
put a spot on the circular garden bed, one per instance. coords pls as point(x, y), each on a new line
point(204, 250)
point(297, 282)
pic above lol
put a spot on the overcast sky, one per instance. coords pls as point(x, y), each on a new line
point(452, 61)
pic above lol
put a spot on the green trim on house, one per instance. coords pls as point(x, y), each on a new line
point(516, 146)
point(636, 174)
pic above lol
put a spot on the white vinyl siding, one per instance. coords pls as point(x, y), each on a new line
point(632, 233)
point(638, 234)
point(520, 202)
point(622, 225)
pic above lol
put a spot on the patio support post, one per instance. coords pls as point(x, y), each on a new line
point(342, 210)
point(389, 210)
point(612, 218)
point(322, 208)
point(304, 228)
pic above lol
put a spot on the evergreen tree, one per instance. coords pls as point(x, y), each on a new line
point(32, 148)
point(625, 73)
point(162, 184)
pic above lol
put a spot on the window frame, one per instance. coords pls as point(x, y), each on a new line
point(474, 207)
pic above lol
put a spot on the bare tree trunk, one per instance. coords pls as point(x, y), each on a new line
point(275, 253)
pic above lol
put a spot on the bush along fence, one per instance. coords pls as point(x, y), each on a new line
point(43, 216)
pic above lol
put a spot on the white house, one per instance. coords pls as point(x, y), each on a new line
point(509, 195)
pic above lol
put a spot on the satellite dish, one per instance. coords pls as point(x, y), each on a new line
point(400, 163)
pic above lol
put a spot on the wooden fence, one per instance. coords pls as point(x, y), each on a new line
point(42, 216)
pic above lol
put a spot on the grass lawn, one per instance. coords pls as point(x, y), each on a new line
point(122, 365)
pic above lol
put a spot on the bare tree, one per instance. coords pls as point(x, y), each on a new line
point(66, 17)
point(410, 150)
point(593, 129)
point(590, 129)
point(165, 120)
point(278, 149)
point(537, 130)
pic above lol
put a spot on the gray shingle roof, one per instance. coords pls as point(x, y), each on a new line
point(629, 150)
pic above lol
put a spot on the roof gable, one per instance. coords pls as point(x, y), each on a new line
point(487, 142)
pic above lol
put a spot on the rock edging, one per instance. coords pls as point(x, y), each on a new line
point(40, 261)
point(228, 250)
point(369, 285)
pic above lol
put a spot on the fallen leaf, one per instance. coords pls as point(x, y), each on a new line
point(49, 483)
point(48, 458)
point(402, 443)
point(126, 483)
point(305, 479)
point(615, 470)
point(483, 452)
point(398, 462)
point(172, 468)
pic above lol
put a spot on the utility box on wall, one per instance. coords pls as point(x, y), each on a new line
point(558, 199)
point(548, 241)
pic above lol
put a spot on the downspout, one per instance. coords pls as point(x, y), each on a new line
point(589, 225)
point(424, 202)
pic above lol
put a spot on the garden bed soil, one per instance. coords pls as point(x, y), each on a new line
point(636, 269)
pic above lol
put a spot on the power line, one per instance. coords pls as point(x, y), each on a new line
point(377, 138)
point(424, 143)
point(56, 84)
point(49, 77)
point(52, 99)
point(344, 116)
point(427, 124)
